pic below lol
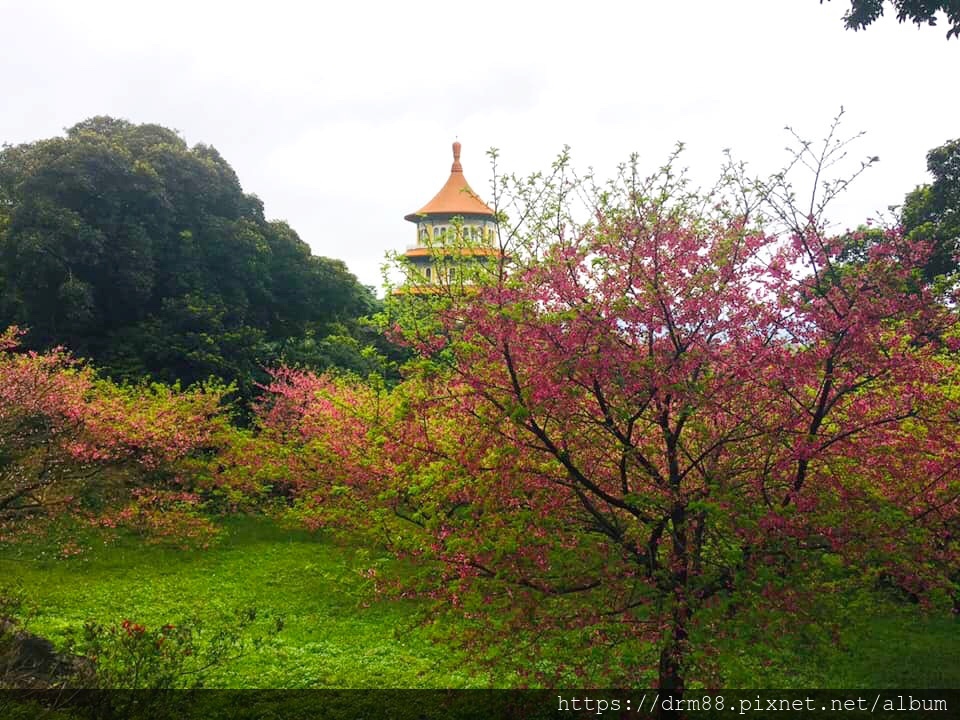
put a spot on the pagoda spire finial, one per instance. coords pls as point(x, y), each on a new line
point(457, 167)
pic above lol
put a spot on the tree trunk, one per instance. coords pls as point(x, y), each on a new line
point(673, 654)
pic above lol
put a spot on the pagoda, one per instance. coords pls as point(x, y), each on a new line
point(454, 228)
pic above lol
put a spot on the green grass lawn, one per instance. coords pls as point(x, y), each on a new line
point(337, 634)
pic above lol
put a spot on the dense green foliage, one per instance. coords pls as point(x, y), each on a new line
point(932, 211)
point(144, 254)
point(920, 12)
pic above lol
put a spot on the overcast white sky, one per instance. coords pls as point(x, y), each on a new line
point(340, 115)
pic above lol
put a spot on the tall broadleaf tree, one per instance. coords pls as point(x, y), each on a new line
point(130, 247)
point(931, 212)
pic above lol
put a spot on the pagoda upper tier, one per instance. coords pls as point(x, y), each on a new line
point(456, 213)
point(456, 198)
point(456, 231)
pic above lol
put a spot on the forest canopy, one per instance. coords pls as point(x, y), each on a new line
point(125, 244)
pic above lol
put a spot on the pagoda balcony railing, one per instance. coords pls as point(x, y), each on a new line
point(439, 246)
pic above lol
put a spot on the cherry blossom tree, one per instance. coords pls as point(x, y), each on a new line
point(61, 428)
point(639, 416)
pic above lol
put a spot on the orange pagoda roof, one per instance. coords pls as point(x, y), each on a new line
point(455, 197)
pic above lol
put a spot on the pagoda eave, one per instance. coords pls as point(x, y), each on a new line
point(447, 215)
point(453, 252)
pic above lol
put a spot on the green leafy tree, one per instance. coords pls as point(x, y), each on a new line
point(144, 254)
point(932, 211)
point(920, 12)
